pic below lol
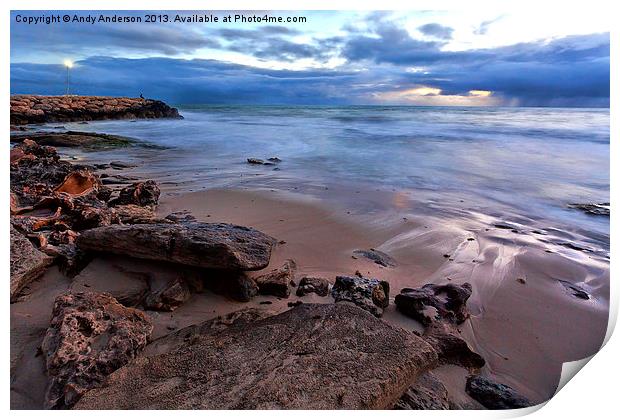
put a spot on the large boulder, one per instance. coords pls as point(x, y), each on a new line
point(206, 245)
point(371, 295)
point(493, 395)
point(143, 193)
point(318, 285)
point(90, 336)
point(433, 302)
point(27, 262)
point(310, 357)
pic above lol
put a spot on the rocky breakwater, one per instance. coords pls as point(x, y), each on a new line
point(35, 109)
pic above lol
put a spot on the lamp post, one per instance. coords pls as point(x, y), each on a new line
point(68, 65)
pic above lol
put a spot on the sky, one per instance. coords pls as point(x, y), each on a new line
point(497, 57)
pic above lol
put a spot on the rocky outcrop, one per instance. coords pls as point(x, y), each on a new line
point(311, 357)
point(371, 295)
point(493, 395)
point(278, 281)
point(27, 262)
point(206, 245)
point(83, 140)
point(90, 336)
point(35, 109)
point(433, 302)
point(318, 285)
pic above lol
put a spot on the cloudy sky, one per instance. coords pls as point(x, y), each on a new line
point(499, 57)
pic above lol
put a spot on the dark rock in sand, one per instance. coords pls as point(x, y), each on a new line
point(575, 290)
point(278, 281)
point(493, 395)
point(234, 284)
point(144, 193)
point(427, 393)
point(311, 357)
point(27, 262)
point(134, 214)
point(180, 217)
point(207, 245)
point(600, 209)
point(91, 335)
point(318, 285)
point(433, 302)
point(255, 161)
point(117, 164)
point(35, 109)
point(452, 349)
point(371, 295)
point(378, 257)
point(167, 295)
point(274, 159)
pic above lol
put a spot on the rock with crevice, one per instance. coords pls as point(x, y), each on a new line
point(143, 193)
point(371, 295)
point(90, 336)
point(206, 245)
point(427, 393)
point(310, 357)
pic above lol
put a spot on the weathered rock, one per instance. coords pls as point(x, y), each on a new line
point(318, 285)
point(234, 284)
point(144, 193)
point(493, 395)
point(83, 140)
point(311, 357)
point(277, 282)
point(207, 245)
point(27, 262)
point(369, 294)
point(35, 109)
point(256, 161)
point(167, 295)
point(79, 183)
point(598, 209)
point(133, 214)
point(91, 335)
point(427, 393)
point(378, 257)
point(433, 302)
point(450, 347)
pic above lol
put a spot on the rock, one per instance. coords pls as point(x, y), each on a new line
point(493, 395)
point(318, 285)
point(35, 109)
point(575, 290)
point(427, 393)
point(435, 302)
point(167, 295)
point(83, 140)
point(311, 357)
point(599, 209)
point(140, 193)
point(79, 183)
point(234, 284)
point(277, 282)
point(27, 262)
point(117, 164)
point(180, 217)
point(255, 161)
point(207, 245)
point(134, 214)
point(451, 348)
point(375, 256)
point(371, 295)
point(274, 159)
point(91, 335)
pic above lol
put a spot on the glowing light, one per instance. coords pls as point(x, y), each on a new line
point(483, 93)
point(422, 91)
point(68, 64)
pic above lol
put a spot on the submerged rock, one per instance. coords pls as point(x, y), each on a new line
point(277, 282)
point(207, 245)
point(91, 335)
point(493, 395)
point(318, 285)
point(433, 302)
point(255, 161)
point(371, 295)
point(599, 209)
point(311, 357)
point(378, 257)
point(27, 262)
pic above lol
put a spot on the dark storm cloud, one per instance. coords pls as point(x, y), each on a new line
point(436, 30)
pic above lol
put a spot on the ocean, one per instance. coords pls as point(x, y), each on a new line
point(522, 163)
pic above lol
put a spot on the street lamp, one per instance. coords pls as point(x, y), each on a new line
point(68, 65)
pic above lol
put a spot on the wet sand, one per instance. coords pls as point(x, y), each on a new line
point(525, 329)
